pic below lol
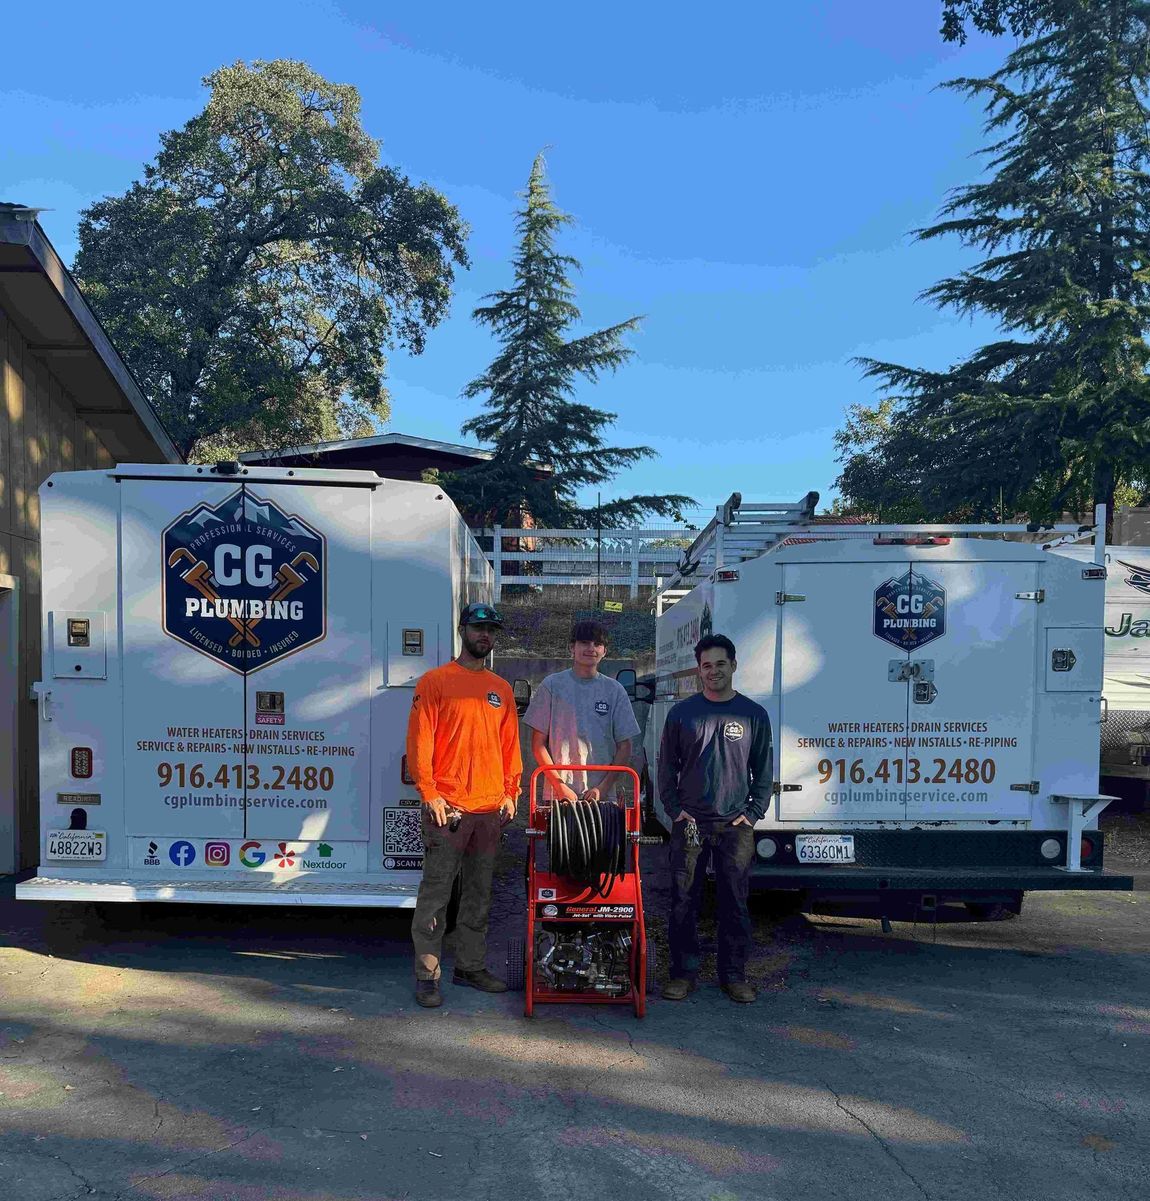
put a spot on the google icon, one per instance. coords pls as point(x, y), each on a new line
point(251, 855)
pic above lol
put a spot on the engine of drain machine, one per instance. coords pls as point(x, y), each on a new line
point(574, 958)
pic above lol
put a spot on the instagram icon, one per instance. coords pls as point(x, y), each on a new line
point(217, 854)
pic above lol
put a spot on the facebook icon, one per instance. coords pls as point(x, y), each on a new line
point(181, 853)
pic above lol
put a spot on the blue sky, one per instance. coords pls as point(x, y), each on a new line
point(744, 176)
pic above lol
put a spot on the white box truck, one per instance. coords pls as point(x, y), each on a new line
point(229, 655)
point(935, 701)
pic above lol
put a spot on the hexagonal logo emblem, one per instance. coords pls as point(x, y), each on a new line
point(244, 582)
point(909, 611)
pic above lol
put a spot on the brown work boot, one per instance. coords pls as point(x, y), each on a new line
point(481, 979)
point(678, 989)
point(427, 994)
point(740, 991)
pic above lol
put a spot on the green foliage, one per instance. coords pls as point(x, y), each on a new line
point(256, 276)
point(1053, 415)
point(1022, 18)
point(546, 445)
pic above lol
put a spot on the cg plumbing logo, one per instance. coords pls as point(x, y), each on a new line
point(244, 582)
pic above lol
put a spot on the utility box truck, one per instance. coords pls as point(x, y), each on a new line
point(935, 699)
point(229, 655)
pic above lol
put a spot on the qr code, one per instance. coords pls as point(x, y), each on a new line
point(401, 834)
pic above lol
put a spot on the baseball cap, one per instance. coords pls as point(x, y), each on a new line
point(477, 612)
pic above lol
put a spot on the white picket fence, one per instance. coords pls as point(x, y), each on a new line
point(631, 558)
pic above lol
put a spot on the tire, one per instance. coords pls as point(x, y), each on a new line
point(991, 911)
point(515, 965)
point(652, 966)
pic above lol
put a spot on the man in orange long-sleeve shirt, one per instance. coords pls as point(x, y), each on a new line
point(463, 750)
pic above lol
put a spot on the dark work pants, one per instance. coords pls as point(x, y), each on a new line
point(730, 849)
point(469, 852)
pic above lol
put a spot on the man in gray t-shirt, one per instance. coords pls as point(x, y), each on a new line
point(580, 716)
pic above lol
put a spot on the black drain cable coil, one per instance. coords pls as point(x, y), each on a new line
point(588, 843)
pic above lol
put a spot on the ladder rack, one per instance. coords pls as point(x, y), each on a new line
point(739, 532)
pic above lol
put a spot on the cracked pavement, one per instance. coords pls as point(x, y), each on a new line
point(207, 1054)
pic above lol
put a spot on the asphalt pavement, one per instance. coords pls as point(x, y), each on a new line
point(201, 1053)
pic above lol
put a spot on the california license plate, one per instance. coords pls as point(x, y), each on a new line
point(77, 845)
point(825, 848)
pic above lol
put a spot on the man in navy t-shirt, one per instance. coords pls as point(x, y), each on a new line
point(715, 773)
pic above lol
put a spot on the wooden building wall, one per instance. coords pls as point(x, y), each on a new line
point(40, 432)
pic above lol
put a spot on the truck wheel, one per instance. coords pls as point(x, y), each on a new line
point(991, 911)
point(515, 964)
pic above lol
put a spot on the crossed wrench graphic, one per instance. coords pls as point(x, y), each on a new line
point(199, 577)
point(290, 580)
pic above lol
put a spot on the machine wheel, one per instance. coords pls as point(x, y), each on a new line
point(515, 964)
point(652, 966)
point(991, 911)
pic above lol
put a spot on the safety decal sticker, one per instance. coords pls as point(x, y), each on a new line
point(244, 582)
point(909, 611)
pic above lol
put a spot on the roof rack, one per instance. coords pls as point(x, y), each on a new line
point(739, 532)
point(736, 533)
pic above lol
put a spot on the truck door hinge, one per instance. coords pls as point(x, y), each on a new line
point(1038, 596)
point(1032, 786)
point(781, 598)
point(778, 789)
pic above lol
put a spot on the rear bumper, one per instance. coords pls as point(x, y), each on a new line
point(382, 895)
point(959, 883)
point(955, 864)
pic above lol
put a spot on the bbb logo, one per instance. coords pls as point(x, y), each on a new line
point(182, 853)
point(217, 854)
point(251, 855)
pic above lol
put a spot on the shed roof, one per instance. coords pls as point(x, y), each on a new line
point(44, 302)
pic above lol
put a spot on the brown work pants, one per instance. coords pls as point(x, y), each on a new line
point(468, 852)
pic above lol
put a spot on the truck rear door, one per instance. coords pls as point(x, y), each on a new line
point(972, 699)
point(246, 694)
point(841, 757)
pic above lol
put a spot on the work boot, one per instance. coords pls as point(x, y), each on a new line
point(740, 991)
point(481, 979)
point(678, 989)
point(427, 994)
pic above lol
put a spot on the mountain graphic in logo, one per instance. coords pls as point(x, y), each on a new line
point(244, 582)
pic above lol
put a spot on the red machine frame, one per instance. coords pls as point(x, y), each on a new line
point(577, 904)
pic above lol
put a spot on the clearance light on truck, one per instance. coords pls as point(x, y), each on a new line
point(82, 762)
point(913, 540)
point(726, 576)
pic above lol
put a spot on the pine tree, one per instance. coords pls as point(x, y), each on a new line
point(547, 446)
point(1056, 413)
